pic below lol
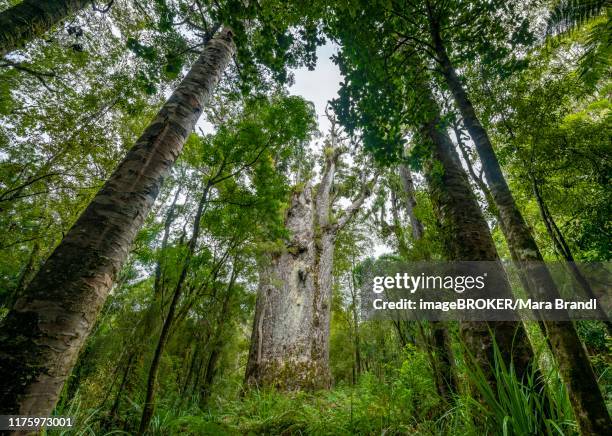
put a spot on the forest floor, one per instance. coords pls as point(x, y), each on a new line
point(391, 400)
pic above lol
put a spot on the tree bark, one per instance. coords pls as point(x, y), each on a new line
point(41, 337)
point(33, 18)
point(286, 350)
point(574, 365)
point(478, 180)
point(290, 339)
point(408, 186)
point(443, 361)
point(466, 237)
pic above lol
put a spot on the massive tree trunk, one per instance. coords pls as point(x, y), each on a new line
point(466, 237)
point(287, 351)
point(33, 18)
point(41, 337)
point(574, 365)
point(290, 339)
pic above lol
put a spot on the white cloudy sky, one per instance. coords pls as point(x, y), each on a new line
point(321, 85)
point(318, 86)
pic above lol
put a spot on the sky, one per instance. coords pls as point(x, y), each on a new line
point(321, 85)
point(318, 86)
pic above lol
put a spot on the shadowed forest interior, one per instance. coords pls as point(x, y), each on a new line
point(192, 193)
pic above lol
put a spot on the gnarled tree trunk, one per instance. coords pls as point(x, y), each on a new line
point(33, 18)
point(574, 365)
point(290, 339)
point(286, 351)
point(41, 337)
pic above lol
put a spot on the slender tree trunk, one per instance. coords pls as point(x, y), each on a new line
point(408, 186)
point(448, 386)
point(41, 337)
point(574, 365)
point(397, 323)
point(191, 369)
point(217, 342)
point(562, 247)
point(149, 403)
point(492, 207)
point(210, 373)
point(467, 237)
point(478, 180)
point(159, 266)
point(33, 18)
point(26, 275)
point(113, 415)
point(442, 360)
point(355, 314)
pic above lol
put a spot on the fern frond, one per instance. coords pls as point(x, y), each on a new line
point(570, 14)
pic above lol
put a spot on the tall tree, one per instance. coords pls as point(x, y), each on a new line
point(33, 18)
point(241, 144)
point(438, 340)
point(290, 340)
point(444, 366)
point(41, 336)
point(382, 97)
point(589, 406)
point(467, 237)
point(433, 35)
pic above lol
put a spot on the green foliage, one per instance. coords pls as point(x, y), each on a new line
point(520, 407)
point(70, 107)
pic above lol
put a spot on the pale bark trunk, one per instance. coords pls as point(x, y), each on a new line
point(33, 18)
point(286, 349)
point(408, 186)
point(574, 365)
point(466, 237)
point(290, 339)
point(479, 182)
point(402, 244)
point(41, 337)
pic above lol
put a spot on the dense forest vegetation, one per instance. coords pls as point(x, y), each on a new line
point(184, 239)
